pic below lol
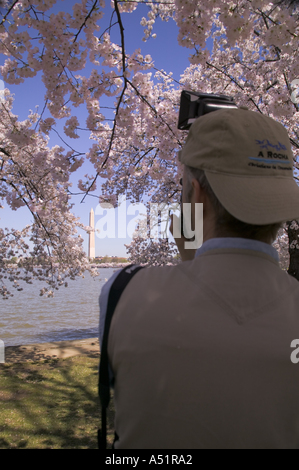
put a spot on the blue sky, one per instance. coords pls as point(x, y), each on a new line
point(167, 55)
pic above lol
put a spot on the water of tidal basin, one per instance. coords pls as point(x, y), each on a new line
point(73, 312)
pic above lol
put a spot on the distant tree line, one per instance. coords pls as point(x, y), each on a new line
point(110, 259)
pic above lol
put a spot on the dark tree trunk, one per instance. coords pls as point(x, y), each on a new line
point(292, 228)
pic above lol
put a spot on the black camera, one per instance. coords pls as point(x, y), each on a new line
point(192, 106)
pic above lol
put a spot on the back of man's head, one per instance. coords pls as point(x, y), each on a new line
point(244, 162)
point(226, 225)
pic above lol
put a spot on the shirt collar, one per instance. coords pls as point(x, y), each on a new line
point(243, 243)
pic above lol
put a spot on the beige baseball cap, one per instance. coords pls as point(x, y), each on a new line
point(248, 161)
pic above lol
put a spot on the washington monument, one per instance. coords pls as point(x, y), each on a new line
point(91, 244)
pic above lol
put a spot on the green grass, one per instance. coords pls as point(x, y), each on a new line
point(51, 404)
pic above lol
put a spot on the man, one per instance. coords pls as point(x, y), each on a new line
point(201, 351)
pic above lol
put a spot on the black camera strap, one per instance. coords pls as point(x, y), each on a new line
point(116, 290)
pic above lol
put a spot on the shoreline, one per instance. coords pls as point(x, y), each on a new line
point(35, 352)
point(93, 265)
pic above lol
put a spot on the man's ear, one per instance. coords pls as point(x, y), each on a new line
point(198, 192)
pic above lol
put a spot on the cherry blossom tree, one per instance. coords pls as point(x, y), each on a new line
point(35, 176)
point(150, 245)
point(253, 57)
point(148, 252)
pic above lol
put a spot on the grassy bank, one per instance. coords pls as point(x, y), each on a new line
point(51, 404)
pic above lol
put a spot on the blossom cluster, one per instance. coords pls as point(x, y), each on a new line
point(37, 177)
point(152, 253)
point(148, 251)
